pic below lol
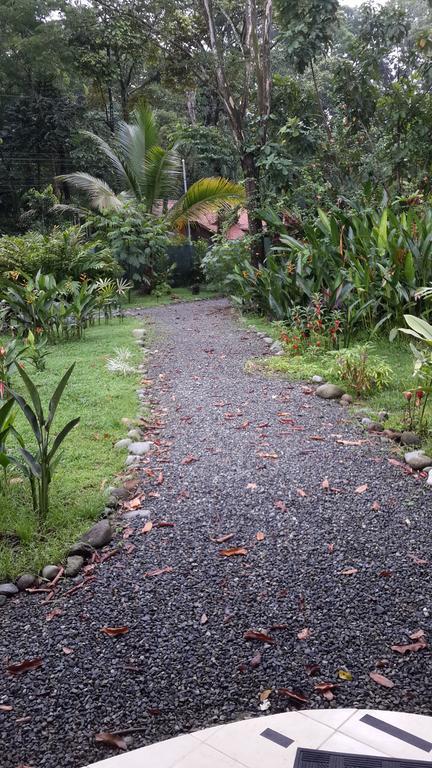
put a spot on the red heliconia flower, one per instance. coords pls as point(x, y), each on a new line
point(419, 394)
point(407, 395)
point(2, 352)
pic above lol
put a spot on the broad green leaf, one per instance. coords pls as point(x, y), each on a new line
point(382, 231)
point(28, 413)
point(33, 465)
point(34, 394)
point(57, 395)
point(61, 436)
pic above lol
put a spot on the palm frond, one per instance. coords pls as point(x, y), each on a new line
point(203, 197)
point(109, 153)
point(131, 145)
point(144, 118)
point(162, 171)
point(99, 193)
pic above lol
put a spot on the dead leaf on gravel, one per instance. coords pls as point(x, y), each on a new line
point(233, 551)
point(330, 548)
point(417, 560)
point(381, 680)
point(265, 694)
point(67, 651)
point(6, 708)
point(324, 687)
point(133, 503)
point(189, 459)
point(376, 506)
point(24, 666)
point(53, 614)
point(164, 524)
point(304, 634)
point(160, 478)
point(267, 455)
point(410, 647)
point(255, 660)
point(280, 505)
point(111, 739)
point(114, 631)
point(244, 425)
point(349, 572)
point(158, 571)
point(129, 548)
point(127, 532)
point(278, 626)
point(352, 442)
point(221, 539)
point(301, 492)
point(312, 670)
point(316, 437)
point(343, 674)
point(204, 619)
point(262, 637)
point(147, 528)
point(361, 488)
point(251, 487)
point(417, 635)
point(325, 484)
point(154, 711)
point(385, 573)
point(298, 697)
point(260, 536)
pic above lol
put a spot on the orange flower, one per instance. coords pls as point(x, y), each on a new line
point(407, 395)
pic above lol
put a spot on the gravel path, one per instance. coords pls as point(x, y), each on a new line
point(236, 454)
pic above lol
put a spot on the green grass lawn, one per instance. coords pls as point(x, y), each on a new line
point(88, 462)
point(302, 367)
point(178, 294)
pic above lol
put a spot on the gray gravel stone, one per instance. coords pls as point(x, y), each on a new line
point(138, 333)
point(99, 535)
point(268, 339)
point(81, 548)
point(25, 581)
point(140, 448)
point(317, 379)
point(50, 572)
point(346, 399)
point(417, 459)
point(132, 461)
point(276, 347)
point(135, 434)
point(8, 589)
point(329, 391)
point(73, 565)
point(410, 438)
point(3, 600)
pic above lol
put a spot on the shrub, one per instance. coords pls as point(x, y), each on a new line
point(360, 370)
point(224, 259)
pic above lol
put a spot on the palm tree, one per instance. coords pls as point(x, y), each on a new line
point(149, 173)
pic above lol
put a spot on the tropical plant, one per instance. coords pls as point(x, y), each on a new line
point(121, 362)
point(361, 370)
point(40, 465)
point(422, 331)
point(150, 174)
point(36, 349)
point(10, 353)
point(7, 417)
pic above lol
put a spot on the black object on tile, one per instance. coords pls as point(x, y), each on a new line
point(279, 738)
point(398, 733)
point(313, 758)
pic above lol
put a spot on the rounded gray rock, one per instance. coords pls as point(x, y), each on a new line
point(3, 600)
point(410, 438)
point(121, 445)
point(74, 565)
point(135, 434)
point(140, 448)
point(99, 535)
point(346, 399)
point(8, 589)
point(382, 416)
point(50, 572)
point(81, 548)
point(329, 391)
point(25, 581)
point(417, 459)
point(317, 379)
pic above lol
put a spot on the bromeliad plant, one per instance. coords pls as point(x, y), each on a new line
point(40, 466)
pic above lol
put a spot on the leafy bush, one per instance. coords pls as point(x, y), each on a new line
point(62, 253)
point(224, 259)
point(138, 242)
point(312, 327)
point(360, 370)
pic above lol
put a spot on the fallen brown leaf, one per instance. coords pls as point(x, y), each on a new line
point(67, 651)
point(301, 492)
point(147, 528)
point(53, 614)
point(304, 634)
point(324, 687)
point(262, 637)
point(268, 455)
point(189, 459)
point(410, 647)
point(164, 524)
point(158, 571)
point(233, 551)
point(376, 506)
point(24, 666)
point(351, 442)
point(300, 698)
point(6, 708)
point(114, 631)
point(361, 488)
point(111, 739)
point(160, 478)
point(385, 573)
point(349, 571)
point(256, 660)
point(330, 548)
point(260, 536)
point(221, 539)
point(381, 680)
point(325, 484)
point(204, 619)
point(316, 437)
point(312, 670)
point(280, 505)
point(417, 635)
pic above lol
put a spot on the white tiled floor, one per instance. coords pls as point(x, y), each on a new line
point(241, 744)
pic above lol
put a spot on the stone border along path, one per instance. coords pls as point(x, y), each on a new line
point(334, 542)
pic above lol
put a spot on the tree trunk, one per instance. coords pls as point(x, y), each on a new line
point(191, 106)
point(251, 173)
